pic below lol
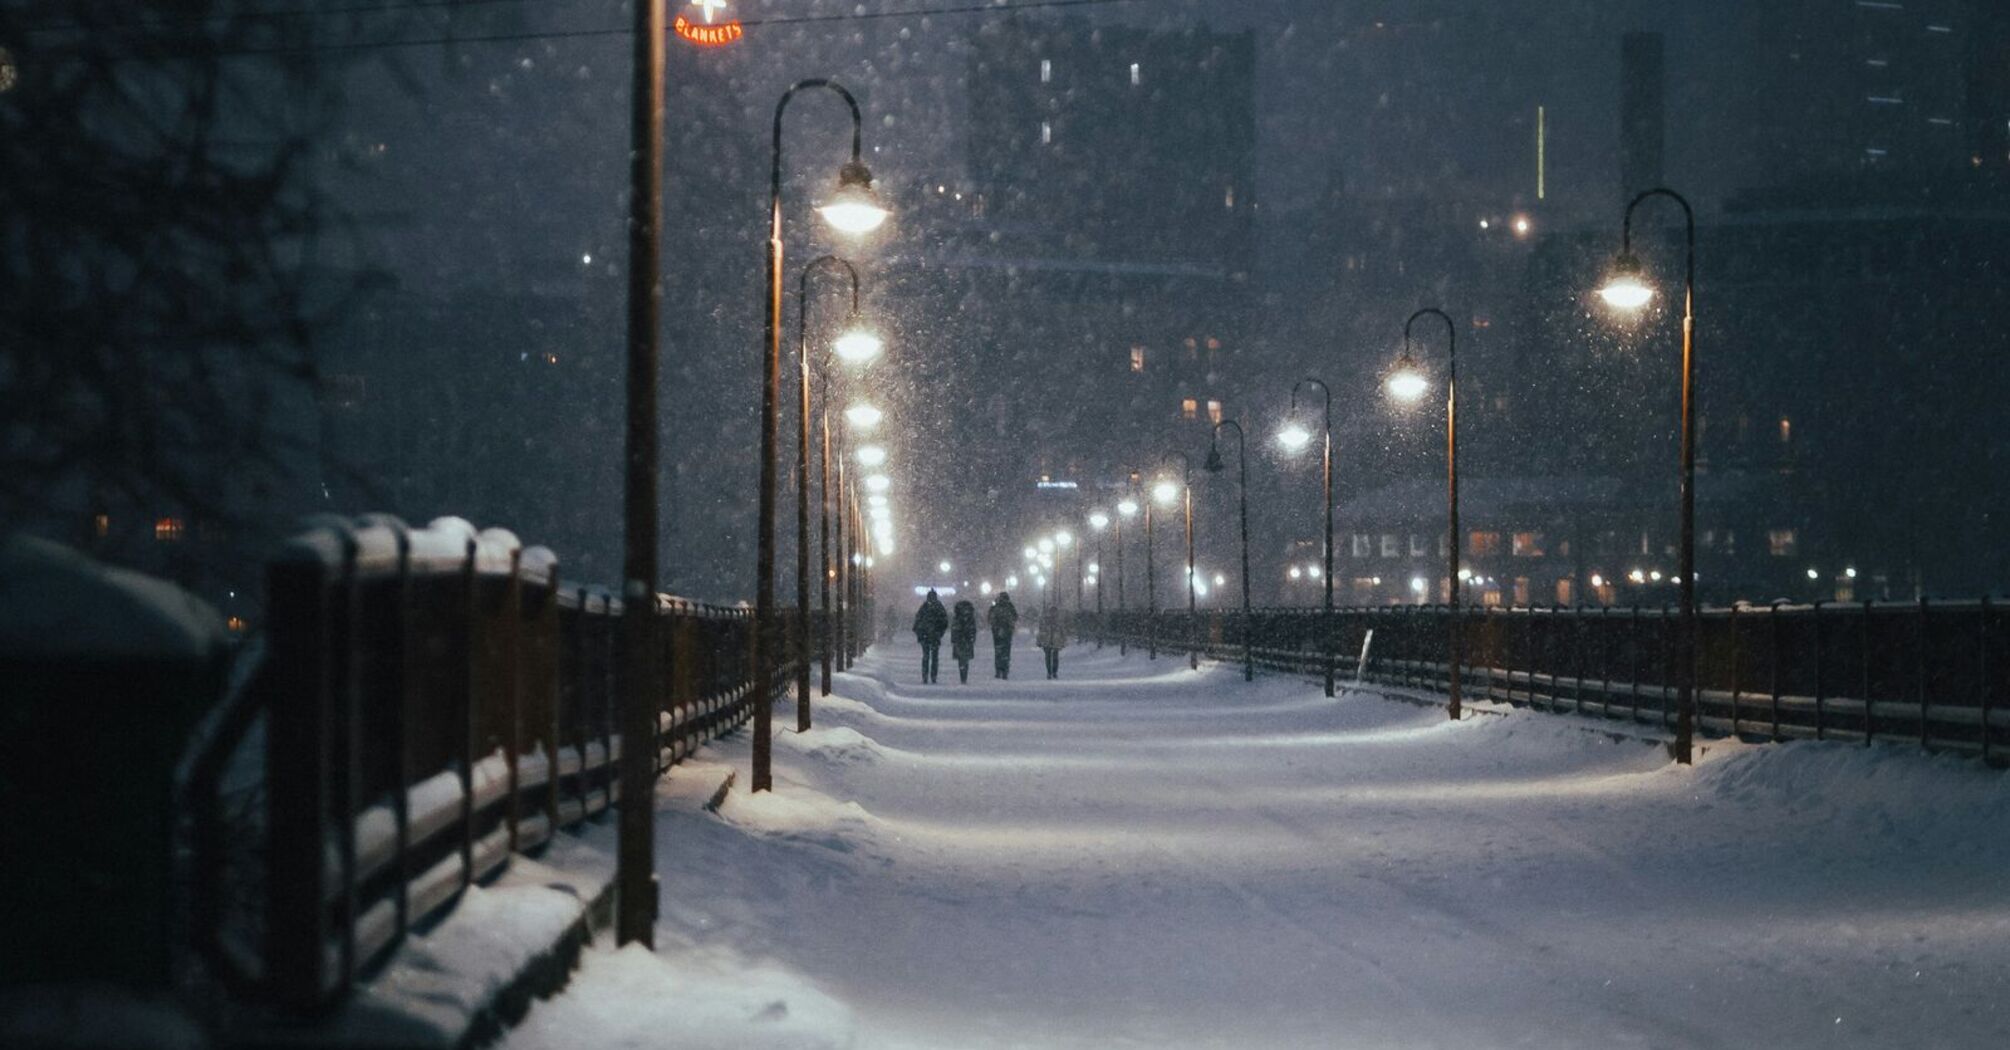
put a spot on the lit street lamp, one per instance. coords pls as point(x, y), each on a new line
point(1185, 490)
point(863, 416)
point(821, 372)
point(852, 210)
point(1627, 289)
point(1215, 466)
point(1126, 508)
point(1098, 521)
point(1294, 437)
point(1408, 383)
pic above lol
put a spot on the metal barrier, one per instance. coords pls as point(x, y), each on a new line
point(426, 704)
point(1932, 672)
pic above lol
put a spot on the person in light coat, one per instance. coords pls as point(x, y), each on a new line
point(1052, 636)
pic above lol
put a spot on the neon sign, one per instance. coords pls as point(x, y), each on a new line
point(709, 33)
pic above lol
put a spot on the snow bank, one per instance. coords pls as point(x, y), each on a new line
point(57, 604)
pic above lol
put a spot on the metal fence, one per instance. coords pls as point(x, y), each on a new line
point(1930, 672)
point(426, 703)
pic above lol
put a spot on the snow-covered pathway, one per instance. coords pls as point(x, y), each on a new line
point(1139, 855)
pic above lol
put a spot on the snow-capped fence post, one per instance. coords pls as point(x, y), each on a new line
point(296, 777)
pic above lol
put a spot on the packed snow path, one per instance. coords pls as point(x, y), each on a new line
point(1142, 856)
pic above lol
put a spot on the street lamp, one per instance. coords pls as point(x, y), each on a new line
point(1126, 508)
point(1185, 490)
point(858, 345)
point(1066, 541)
point(1408, 383)
point(1294, 437)
point(822, 373)
point(635, 918)
point(1098, 521)
point(1626, 288)
point(863, 416)
point(852, 210)
point(1216, 466)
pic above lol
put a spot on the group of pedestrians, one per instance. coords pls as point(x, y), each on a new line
point(932, 621)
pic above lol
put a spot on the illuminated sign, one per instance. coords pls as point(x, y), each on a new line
point(709, 33)
point(1046, 484)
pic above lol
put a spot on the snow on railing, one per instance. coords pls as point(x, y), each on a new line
point(428, 702)
point(1928, 672)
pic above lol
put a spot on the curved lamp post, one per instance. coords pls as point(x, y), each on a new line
point(857, 345)
point(1408, 383)
point(852, 210)
point(1215, 466)
point(1294, 437)
point(1626, 288)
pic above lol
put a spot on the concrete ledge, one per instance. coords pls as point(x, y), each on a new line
point(463, 981)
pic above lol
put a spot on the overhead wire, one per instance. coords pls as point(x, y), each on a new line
point(572, 34)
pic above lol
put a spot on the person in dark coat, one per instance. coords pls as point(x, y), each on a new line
point(931, 622)
point(1004, 619)
point(963, 638)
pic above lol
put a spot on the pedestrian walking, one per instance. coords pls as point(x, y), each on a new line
point(963, 638)
point(1004, 619)
point(931, 622)
point(1052, 636)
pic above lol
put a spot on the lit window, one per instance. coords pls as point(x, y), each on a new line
point(1528, 544)
point(1566, 591)
point(1137, 77)
point(101, 525)
point(1364, 545)
point(1214, 411)
point(1189, 408)
point(170, 530)
point(1137, 359)
point(1046, 133)
point(1419, 545)
point(1782, 542)
point(1521, 590)
point(1483, 543)
point(1392, 545)
point(1046, 71)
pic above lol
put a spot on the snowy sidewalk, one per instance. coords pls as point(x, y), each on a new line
point(1143, 856)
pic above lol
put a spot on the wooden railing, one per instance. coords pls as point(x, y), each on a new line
point(426, 704)
point(1929, 672)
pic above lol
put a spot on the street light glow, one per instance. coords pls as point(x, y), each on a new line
point(942, 566)
point(1294, 437)
point(1064, 539)
point(1166, 492)
point(1627, 288)
point(871, 456)
point(1045, 545)
point(875, 501)
point(878, 483)
point(863, 416)
point(1128, 508)
point(1407, 382)
point(858, 346)
point(1099, 521)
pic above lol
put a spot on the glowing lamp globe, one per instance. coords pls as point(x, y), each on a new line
point(1407, 382)
point(1128, 508)
point(1063, 539)
point(878, 483)
point(859, 345)
point(871, 456)
point(1166, 492)
point(1099, 521)
point(1627, 287)
point(854, 209)
point(1294, 437)
point(863, 416)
